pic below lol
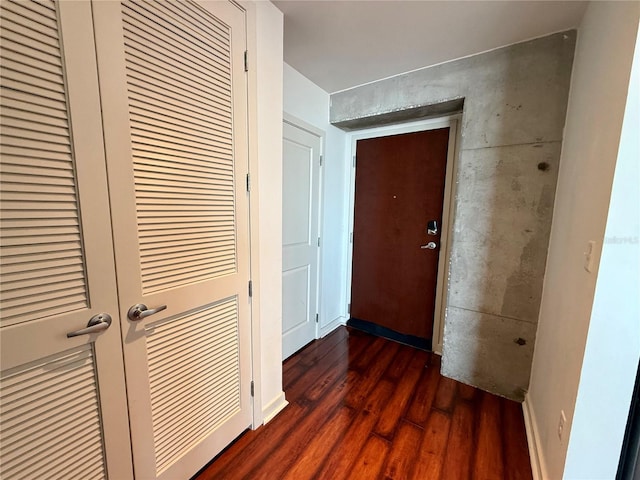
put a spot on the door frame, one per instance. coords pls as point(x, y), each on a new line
point(307, 127)
point(442, 287)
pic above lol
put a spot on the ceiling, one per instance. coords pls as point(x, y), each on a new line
point(341, 44)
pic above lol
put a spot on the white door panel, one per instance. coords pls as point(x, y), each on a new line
point(58, 394)
point(300, 220)
point(296, 206)
point(174, 107)
point(296, 284)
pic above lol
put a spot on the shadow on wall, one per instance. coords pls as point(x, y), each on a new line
point(515, 102)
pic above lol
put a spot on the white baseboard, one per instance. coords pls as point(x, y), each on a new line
point(533, 440)
point(331, 326)
point(274, 407)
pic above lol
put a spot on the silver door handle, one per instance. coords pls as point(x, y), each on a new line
point(429, 246)
point(97, 323)
point(140, 311)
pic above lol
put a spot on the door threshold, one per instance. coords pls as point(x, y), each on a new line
point(379, 331)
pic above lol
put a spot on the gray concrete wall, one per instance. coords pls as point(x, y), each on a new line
point(514, 103)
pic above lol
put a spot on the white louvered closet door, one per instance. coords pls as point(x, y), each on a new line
point(62, 400)
point(175, 111)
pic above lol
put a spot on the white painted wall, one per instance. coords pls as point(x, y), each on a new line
point(613, 343)
point(308, 102)
point(265, 69)
point(597, 102)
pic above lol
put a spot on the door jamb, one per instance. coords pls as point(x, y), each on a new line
point(258, 415)
point(452, 122)
point(302, 125)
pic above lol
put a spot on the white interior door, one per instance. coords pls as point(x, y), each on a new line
point(63, 411)
point(175, 113)
point(300, 240)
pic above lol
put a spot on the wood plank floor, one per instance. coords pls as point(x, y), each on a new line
point(362, 407)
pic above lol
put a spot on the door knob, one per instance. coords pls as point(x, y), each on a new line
point(429, 246)
point(97, 323)
point(140, 311)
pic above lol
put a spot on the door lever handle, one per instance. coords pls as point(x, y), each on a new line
point(429, 246)
point(140, 311)
point(97, 323)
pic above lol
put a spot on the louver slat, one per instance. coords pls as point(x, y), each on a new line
point(40, 229)
point(177, 257)
point(43, 12)
point(167, 146)
point(181, 133)
point(189, 124)
point(201, 20)
point(29, 75)
point(174, 58)
point(155, 174)
point(198, 141)
point(175, 45)
point(17, 50)
point(51, 405)
point(34, 119)
point(204, 356)
point(182, 32)
point(54, 116)
point(179, 79)
point(153, 123)
point(171, 105)
point(25, 30)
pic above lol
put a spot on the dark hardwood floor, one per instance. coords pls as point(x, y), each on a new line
point(362, 407)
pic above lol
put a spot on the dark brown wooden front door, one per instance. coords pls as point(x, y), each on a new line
point(400, 183)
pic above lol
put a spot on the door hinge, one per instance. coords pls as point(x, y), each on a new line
point(354, 161)
point(320, 160)
point(351, 237)
point(253, 392)
point(246, 60)
point(318, 241)
point(316, 318)
point(248, 183)
point(250, 288)
point(348, 308)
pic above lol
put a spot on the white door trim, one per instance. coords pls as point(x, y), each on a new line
point(297, 122)
point(301, 124)
point(450, 121)
point(254, 209)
